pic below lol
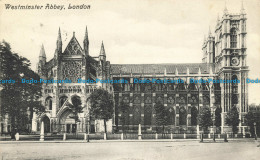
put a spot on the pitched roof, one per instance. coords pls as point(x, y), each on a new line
point(73, 47)
point(160, 68)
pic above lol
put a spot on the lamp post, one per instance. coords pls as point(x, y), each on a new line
point(255, 130)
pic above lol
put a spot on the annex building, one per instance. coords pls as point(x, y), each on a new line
point(223, 58)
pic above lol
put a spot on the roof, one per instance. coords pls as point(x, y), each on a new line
point(182, 68)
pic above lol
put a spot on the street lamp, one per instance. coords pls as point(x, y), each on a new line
point(255, 130)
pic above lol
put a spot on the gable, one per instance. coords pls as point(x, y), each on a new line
point(73, 48)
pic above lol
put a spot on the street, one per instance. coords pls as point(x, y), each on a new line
point(240, 149)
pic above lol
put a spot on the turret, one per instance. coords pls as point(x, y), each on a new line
point(86, 43)
point(42, 56)
point(42, 61)
point(59, 43)
point(102, 55)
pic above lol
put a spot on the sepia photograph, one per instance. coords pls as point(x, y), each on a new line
point(130, 80)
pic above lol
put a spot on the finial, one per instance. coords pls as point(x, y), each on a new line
point(209, 32)
point(102, 51)
point(225, 10)
point(42, 52)
point(242, 11)
point(86, 33)
point(59, 35)
point(73, 34)
point(199, 72)
point(176, 72)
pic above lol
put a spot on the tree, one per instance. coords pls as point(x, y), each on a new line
point(205, 119)
point(232, 119)
point(218, 117)
point(102, 105)
point(253, 117)
point(124, 107)
point(161, 116)
point(18, 98)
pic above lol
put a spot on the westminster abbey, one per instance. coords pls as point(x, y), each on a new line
point(223, 58)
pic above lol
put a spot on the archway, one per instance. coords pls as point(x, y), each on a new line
point(47, 125)
point(67, 122)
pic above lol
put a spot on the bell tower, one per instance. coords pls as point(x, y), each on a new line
point(230, 62)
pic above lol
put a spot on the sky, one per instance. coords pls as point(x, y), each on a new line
point(133, 31)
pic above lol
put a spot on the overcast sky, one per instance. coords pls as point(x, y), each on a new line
point(133, 31)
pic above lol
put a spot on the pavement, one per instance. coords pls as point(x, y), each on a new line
point(183, 149)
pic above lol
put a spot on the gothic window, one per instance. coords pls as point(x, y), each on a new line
point(194, 115)
point(170, 87)
point(159, 99)
point(181, 86)
point(137, 100)
point(126, 100)
point(137, 115)
point(192, 87)
point(136, 87)
point(182, 99)
point(171, 116)
point(127, 87)
point(206, 99)
point(170, 100)
point(233, 38)
point(147, 115)
point(148, 100)
point(158, 86)
point(193, 99)
point(62, 100)
point(48, 103)
point(182, 116)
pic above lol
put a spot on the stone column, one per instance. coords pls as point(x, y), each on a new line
point(42, 132)
point(34, 122)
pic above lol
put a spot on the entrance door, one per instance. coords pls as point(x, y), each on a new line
point(68, 128)
point(74, 128)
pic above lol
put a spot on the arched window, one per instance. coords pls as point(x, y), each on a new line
point(233, 38)
point(194, 114)
point(183, 116)
point(48, 103)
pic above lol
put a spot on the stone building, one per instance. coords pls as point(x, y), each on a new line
point(224, 58)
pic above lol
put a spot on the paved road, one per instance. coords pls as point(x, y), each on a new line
point(133, 150)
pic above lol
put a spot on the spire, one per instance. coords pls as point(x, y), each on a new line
point(188, 71)
point(225, 10)
point(42, 52)
point(59, 43)
point(165, 72)
point(218, 19)
point(209, 32)
point(102, 51)
point(242, 11)
point(86, 34)
point(176, 72)
point(102, 54)
point(199, 72)
point(59, 35)
point(86, 42)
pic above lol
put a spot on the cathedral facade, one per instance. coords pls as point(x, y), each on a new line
point(224, 58)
